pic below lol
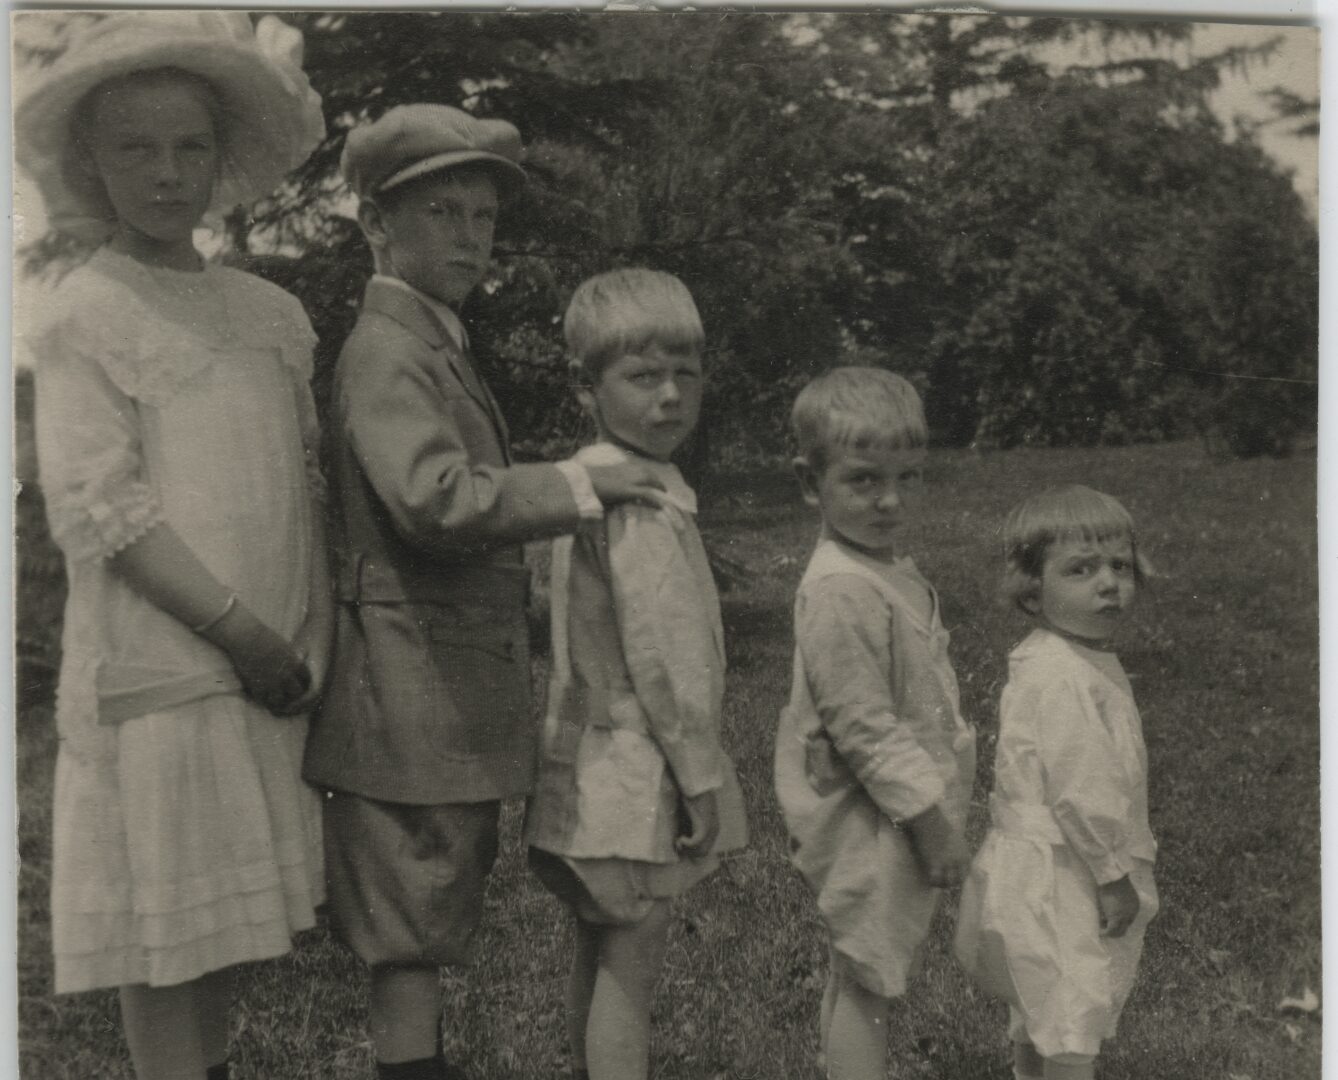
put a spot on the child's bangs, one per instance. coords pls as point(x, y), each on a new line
point(1065, 514)
point(856, 431)
point(624, 312)
point(1080, 515)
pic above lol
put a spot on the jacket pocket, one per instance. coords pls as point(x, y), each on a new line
point(479, 673)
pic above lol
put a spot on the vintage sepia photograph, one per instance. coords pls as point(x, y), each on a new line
point(646, 545)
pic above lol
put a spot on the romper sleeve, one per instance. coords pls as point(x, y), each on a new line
point(668, 642)
point(844, 633)
point(1083, 784)
point(90, 465)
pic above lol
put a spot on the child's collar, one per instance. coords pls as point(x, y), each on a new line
point(676, 492)
point(449, 320)
point(1086, 643)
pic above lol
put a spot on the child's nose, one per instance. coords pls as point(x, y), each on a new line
point(167, 169)
point(889, 499)
point(669, 392)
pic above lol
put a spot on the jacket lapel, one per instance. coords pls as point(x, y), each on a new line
point(416, 317)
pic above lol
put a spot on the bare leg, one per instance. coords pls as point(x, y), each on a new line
point(828, 1004)
point(581, 989)
point(213, 1006)
point(162, 1028)
point(405, 1013)
point(857, 1037)
point(617, 1041)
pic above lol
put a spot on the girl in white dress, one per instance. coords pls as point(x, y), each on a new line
point(177, 454)
point(1057, 900)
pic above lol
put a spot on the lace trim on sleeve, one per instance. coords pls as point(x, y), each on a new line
point(103, 519)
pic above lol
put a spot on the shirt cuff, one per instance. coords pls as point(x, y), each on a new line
point(582, 490)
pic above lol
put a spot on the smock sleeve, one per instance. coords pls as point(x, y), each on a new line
point(844, 632)
point(1084, 785)
point(90, 465)
point(666, 629)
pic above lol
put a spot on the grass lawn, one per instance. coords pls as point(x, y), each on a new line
point(1222, 651)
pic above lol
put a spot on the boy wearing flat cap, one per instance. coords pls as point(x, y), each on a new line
point(427, 723)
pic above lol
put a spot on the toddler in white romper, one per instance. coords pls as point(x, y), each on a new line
point(1054, 909)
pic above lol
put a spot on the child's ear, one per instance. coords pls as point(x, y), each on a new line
point(373, 223)
point(808, 479)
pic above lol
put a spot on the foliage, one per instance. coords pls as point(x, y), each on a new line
point(1107, 247)
point(1054, 252)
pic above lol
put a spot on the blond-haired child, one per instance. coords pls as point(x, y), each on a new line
point(874, 763)
point(1055, 906)
point(635, 797)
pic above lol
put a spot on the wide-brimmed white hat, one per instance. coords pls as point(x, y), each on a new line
point(271, 116)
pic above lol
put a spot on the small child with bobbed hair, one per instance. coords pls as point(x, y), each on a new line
point(1057, 901)
point(635, 798)
point(874, 762)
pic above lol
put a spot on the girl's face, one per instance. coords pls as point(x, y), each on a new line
point(648, 401)
point(154, 147)
point(1087, 586)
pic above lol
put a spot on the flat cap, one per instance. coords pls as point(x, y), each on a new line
point(410, 141)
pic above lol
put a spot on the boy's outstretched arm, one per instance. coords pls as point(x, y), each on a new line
point(406, 431)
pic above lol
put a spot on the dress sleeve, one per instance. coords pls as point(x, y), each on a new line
point(90, 465)
point(844, 632)
point(298, 346)
point(1084, 787)
point(668, 642)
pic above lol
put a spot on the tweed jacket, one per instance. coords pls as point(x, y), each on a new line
point(429, 699)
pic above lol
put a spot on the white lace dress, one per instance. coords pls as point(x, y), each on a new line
point(184, 838)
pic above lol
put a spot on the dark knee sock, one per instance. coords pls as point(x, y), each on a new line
point(217, 1072)
point(429, 1068)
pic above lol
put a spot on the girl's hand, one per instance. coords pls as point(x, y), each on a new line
point(313, 643)
point(1117, 905)
point(939, 847)
point(703, 821)
point(270, 669)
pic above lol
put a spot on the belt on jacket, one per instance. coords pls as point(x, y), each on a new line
point(1031, 821)
point(366, 580)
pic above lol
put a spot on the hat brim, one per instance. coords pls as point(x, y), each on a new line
point(270, 124)
point(510, 176)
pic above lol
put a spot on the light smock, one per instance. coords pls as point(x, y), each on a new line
point(1069, 812)
point(634, 700)
point(873, 735)
point(184, 839)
